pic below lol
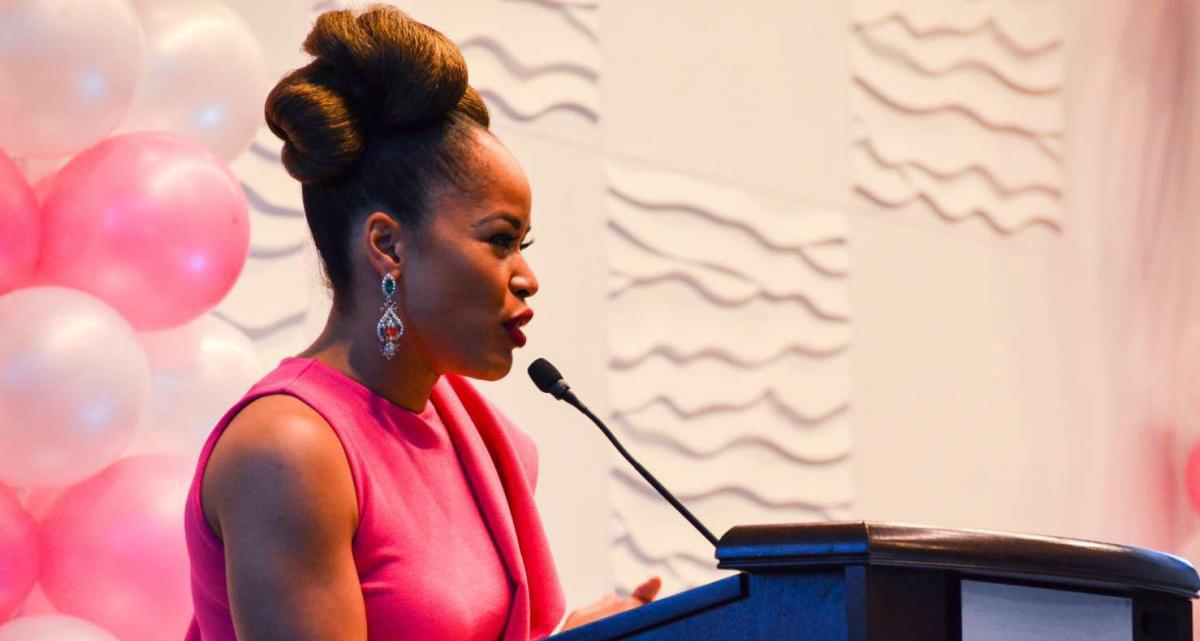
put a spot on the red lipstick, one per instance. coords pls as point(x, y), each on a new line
point(514, 324)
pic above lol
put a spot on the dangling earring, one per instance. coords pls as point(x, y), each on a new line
point(390, 328)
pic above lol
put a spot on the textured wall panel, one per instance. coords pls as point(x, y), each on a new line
point(729, 335)
point(958, 110)
point(547, 83)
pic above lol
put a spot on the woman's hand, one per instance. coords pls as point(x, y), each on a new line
point(613, 604)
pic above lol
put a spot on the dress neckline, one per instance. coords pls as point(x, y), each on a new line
point(429, 414)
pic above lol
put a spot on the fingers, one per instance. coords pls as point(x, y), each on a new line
point(646, 592)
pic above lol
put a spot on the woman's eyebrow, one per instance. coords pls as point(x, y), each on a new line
point(509, 218)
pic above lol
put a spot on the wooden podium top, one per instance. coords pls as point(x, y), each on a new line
point(772, 548)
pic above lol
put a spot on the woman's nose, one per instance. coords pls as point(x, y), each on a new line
point(524, 283)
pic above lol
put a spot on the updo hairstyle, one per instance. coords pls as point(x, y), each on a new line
point(381, 117)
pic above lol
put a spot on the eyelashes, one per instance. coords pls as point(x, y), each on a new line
point(508, 241)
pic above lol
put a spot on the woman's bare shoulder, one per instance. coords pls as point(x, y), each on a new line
point(277, 449)
point(284, 500)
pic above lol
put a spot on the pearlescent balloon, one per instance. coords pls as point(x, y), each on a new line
point(73, 382)
point(20, 228)
point(205, 78)
point(149, 9)
point(53, 627)
point(113, 549)
point(152, 223)
point(68, 70)
point(19, 556)
point(196, 373)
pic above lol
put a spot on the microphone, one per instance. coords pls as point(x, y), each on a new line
point(547, 379)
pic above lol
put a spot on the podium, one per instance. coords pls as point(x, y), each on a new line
point(862, 581)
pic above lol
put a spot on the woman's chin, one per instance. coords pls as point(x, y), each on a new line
point(493, 371)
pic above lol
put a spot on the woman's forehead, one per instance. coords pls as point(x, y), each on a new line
point(498, 186)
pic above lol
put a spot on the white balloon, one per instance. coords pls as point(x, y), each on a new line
point(68, 70)
point(73, 384)
point(149, 9)
point(198, 371)
point(52, 627)
point(205, 78)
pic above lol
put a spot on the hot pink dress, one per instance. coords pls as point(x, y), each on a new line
point(449, 545)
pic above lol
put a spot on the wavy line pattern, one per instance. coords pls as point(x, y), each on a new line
point(580, 16)
point(526, 71)
point(932, 66)
point(678, 358)
point(987, 26)
point(729, 337)
point(631, 282)
point(772, 274)
point(733, 225)
point(958, 117)
point(761, 495)
point(262, 332)
point(978, 170)
point(278, 252)
point(523, 114)
point(550, 82)
point(685, 448)
point(769, 397)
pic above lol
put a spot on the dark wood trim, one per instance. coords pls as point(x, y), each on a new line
point(1056, 561)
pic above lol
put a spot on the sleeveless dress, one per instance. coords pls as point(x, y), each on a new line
point(449, 545)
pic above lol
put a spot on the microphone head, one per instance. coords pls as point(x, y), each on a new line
point(544, 375)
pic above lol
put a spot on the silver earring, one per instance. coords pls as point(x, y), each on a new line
point(390, 328)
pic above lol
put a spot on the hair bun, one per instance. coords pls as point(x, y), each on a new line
point(377, 69)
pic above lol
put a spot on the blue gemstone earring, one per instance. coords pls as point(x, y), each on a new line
point(390, 328)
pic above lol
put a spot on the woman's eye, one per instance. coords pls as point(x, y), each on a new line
point(502, 240)
point(506, 241)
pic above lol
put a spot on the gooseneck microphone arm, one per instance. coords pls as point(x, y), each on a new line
point(547, 378)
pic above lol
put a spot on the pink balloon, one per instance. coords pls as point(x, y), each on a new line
point(39, 499)
point(18, 553)
point(113, 549)
point(150, 222)
point(36, 604)
point(43, 187)
point(19, 227)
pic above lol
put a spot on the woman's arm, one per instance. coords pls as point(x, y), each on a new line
point(280, 492)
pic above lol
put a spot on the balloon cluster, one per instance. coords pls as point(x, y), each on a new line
point(122, 114)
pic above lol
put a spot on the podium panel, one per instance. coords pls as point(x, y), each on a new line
point(883, 582)
point(999, 612)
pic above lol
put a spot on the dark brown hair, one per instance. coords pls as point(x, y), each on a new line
point(381, 117)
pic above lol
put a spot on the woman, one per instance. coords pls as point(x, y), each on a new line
point(363, 489)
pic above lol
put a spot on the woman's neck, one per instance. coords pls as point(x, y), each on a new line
point(346, 346)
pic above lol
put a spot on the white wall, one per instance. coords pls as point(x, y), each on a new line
point(815, 260)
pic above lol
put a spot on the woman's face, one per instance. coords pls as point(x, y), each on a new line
point(463, 278)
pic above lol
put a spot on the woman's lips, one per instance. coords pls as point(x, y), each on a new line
point(513, 327)
point(517, 336)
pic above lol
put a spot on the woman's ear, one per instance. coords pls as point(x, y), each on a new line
point(384, 238)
